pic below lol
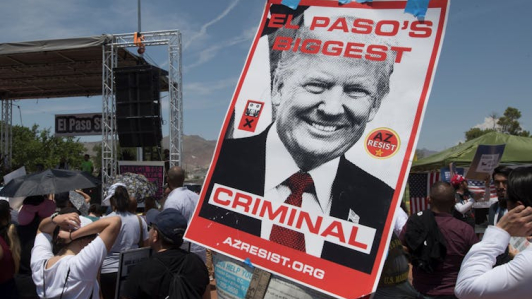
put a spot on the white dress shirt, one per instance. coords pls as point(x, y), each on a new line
point(478, 278)
point(275, 191)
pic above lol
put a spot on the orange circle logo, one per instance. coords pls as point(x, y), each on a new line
point(382, 143)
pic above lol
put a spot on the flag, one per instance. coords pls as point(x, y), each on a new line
point(475, 186)
point(419, 185)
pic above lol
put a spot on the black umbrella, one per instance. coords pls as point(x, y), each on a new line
point(47, 182)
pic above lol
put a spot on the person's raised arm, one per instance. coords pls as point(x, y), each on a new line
point(487, 183)
point(479, 279)
point(517, 222)
point(464, 207)
point(107, 228)
point(65, 221)
point(483, 196)
point(86, 197)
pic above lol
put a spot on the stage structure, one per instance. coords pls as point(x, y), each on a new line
point(6, 133)
point(83, 67)
point(109, 136)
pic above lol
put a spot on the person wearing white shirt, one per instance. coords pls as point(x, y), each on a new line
point(65, 261)
point(478, 278)
point(185, 201)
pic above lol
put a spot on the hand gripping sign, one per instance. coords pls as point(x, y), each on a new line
point(315, 148)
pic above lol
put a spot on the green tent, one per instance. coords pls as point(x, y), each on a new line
point(518, 150)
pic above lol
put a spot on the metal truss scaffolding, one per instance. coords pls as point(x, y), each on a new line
point(109, 135)
point(6, 134)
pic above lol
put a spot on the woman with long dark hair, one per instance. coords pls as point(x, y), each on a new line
point(133, 234)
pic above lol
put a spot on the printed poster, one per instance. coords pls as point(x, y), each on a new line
point(316, 144)
point(445, 173)
point(128, 260)
point(232, 277)
point(487, 157)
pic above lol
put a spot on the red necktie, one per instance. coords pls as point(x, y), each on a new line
point(298, 183)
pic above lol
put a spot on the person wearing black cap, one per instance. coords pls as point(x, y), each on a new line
point(153, 277)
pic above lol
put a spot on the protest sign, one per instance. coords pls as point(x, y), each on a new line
point(446, 173)
point(127, 261)
point(21, 171)
point(318, 140)
point(487, 157)
point(232, 277)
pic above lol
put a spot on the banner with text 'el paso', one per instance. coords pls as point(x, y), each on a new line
point(315, 147)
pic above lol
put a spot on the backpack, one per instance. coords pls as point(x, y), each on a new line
point(180, 287)
point(425, 242)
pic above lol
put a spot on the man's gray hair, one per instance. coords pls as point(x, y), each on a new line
point(286, 61)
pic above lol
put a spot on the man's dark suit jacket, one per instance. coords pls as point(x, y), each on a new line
point(241, 165)
point(493, 211)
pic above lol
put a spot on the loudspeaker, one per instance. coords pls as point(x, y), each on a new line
point(138, 106)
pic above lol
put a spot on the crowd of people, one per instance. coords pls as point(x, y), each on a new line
point(50, 249)
point(448, 258)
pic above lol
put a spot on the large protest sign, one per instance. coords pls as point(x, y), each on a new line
point(312, 157)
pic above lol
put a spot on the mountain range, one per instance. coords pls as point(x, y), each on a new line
point(197, 154)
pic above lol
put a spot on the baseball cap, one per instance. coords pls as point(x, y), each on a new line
point(172, 224)
point(150, 216)
point(457, 179)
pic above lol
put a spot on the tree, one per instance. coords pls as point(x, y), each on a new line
point(509, 122)
point(476, 132)
point(33, 148)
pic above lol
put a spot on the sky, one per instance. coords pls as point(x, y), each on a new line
point(484, 67)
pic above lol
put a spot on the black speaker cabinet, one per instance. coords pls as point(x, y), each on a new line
point(138, 106)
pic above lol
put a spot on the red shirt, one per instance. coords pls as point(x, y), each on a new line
point(459, 237)
point(7, 264)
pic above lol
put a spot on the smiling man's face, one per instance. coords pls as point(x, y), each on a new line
point(323, 105)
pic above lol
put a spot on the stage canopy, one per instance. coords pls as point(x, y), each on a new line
point(58, 68)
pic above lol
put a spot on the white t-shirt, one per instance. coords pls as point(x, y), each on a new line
point(127, 239)
point(81, 283)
